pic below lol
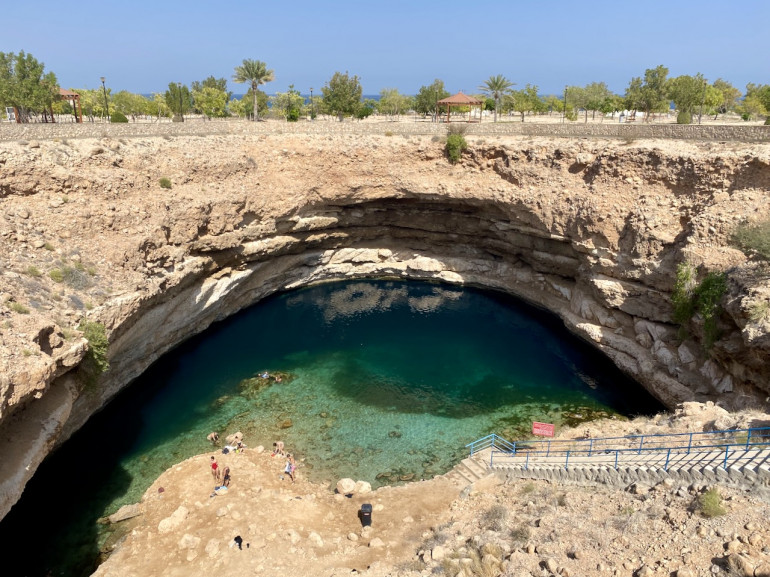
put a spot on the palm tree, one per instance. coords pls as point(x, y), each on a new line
point(254, 72)
point(496, 87)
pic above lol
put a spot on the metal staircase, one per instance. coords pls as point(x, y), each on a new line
point(739, 457)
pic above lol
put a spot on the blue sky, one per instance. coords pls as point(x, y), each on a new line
point(141, 46)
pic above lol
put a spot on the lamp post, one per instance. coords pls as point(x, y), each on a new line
point(106, 102)
point(179, 89)
point(703, 100)
point(312, 106)
point(565, 105)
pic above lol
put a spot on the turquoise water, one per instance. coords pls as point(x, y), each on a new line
point(382, 381)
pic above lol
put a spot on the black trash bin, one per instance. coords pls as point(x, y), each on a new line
point(365, 514)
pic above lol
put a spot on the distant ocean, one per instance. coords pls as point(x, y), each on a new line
point(375, 97)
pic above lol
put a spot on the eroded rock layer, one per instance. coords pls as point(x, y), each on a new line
point(590, 230)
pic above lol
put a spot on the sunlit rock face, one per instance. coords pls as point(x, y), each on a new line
point(590, 230)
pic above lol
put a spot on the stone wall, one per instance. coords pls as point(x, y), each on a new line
point(196, 126)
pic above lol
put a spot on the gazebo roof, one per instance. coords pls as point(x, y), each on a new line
point(64, 93)
point(460, 99)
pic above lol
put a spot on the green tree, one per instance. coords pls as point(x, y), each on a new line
point(288, 104)
point(757, 100)
point(25, 86)
point(428, 96)
point(524, 100)
point(211, 82)
point(596, 95)
point(130, 104)
point(687, 92)
point(576, 99)
point(178, 99)
point(342, 95)
point(553, 103)
point(611, 104)
point(649, 95)
point(159, 106)
point(365, 109)
point(392, 102)
point(255, 73)
point(729, 95)
point(496, 87)
point(211, 102)
point(248, 102)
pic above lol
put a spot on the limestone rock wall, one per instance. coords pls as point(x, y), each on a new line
point(592, 231)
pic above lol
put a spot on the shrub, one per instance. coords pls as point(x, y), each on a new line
point(18, 308)
point(690, 297)
point(684, 117)
point(520, 534)
point(118, 117)
point(571, 115)
point(388, 133)
point(767, 121)
point(33, 271)
point(753, 239)
point(48, 246)
point(292, 115)
point(95, 361)
point(709, 295)
point(710, 503)
point(495, 517)
point(165, 182)
point(56, 275)
point(455, 144)
point(460, 129)
point(758, 312)
point(684, 289)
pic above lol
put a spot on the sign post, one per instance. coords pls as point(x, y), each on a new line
point(543, 429)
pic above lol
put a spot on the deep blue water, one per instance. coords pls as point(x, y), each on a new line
point(381, 380)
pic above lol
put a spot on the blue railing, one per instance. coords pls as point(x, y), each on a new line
point(668, 445)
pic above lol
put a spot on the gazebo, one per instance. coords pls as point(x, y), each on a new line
point(74, 100)
point(461, 99)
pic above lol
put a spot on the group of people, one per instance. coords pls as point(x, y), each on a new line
point(291, 465)
point(221, 475)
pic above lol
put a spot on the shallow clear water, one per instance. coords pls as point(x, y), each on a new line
point(382, 381)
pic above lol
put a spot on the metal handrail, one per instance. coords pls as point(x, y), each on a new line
point(678, 443)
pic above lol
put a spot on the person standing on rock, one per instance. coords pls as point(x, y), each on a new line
point(215, 469)
point(226, 477)
point(290, 466)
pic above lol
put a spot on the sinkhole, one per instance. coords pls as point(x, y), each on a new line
point(383, 381)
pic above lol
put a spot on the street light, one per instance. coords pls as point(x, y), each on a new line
point(106, 102)
point(565, 105)
point(312, 106)
point(179, 88)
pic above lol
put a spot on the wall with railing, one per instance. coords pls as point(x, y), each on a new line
point(198, 127)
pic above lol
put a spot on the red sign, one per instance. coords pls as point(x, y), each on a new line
point(542, 429)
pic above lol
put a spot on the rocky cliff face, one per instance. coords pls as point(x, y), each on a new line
point(590, 230)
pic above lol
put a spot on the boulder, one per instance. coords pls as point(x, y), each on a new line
point(125, 512)
point(346, 486)
point(438, 553)
point(315, 539)
point(173, 521)
point(189, 541)
point(362, 487)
